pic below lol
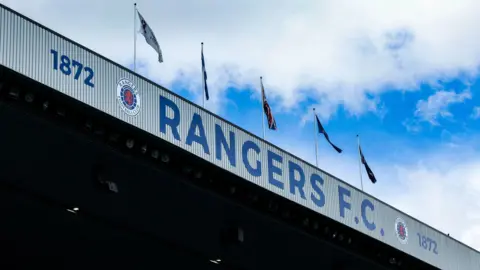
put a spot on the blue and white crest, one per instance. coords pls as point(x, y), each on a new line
point(401, 230)
point(128, 97)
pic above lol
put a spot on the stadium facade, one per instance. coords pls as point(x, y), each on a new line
point(35, 53)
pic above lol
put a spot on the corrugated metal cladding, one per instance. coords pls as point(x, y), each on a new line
point(26, 47)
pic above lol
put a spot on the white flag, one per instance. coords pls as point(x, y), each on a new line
point(150, 37)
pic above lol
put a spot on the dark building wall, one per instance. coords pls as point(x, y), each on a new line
point(52, 170)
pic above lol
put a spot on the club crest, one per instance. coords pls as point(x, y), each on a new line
point(128, 97)
point(401, 230)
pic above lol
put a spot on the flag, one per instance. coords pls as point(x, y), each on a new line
point(322, 130)
point(204, 74)
point(266, 108)
point(367, 168)
point(150, 37)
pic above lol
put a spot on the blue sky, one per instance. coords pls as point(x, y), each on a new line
point(390, 126)
point(400, 73)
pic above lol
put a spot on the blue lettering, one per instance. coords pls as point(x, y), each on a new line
point(165, 121)
point(257, 171)
point(220, 141)
point(193, 137)
point(315, 181)
point(341, 201)
point(70, 66)
point(272, 169)
point(299, 183)
point(366, 203)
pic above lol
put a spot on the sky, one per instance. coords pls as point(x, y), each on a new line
point(402, 74)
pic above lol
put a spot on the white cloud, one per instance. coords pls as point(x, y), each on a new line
point(324, 111)
point(412, 126)
point(475, 113)
point(437, 105)
point(339, 49)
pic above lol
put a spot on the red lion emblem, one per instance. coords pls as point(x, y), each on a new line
point(128, 97)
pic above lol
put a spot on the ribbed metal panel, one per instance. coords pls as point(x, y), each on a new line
point(25, 47)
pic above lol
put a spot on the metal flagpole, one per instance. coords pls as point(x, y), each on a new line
point(359, 161)
point(135, 37)
point(263, 120)
point(203, 81)
point(315, 128)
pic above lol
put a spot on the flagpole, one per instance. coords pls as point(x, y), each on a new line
point(135, 37)
point(263, 120)
point(359, 161)
point(203, 83)
point(316, 137)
